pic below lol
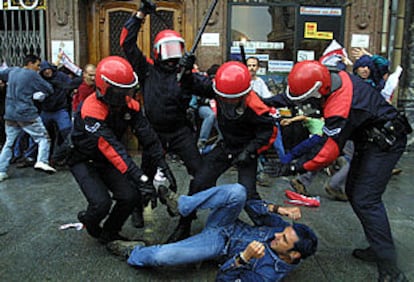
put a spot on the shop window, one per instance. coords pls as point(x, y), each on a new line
point(279, 34)
point(268, 33)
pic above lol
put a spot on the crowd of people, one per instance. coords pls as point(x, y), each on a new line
point(352, 124)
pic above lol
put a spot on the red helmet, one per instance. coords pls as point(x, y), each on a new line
point(115, 79)
point(308, 79)
point(232, 80)
point(168, 44)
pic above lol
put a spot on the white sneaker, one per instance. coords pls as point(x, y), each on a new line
point(44, 167)
point(3, 176)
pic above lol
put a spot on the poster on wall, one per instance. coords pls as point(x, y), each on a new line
point(66, 46)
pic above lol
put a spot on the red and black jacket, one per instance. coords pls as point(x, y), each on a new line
point(98, 131)
point(348, 111)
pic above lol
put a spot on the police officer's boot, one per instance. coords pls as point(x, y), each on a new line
point(137, 218)
point(182, 231)
point(93, 229)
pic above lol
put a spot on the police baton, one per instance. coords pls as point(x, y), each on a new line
point(199, 33)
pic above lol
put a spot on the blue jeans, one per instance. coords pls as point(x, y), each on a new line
point(64, 125)
point(226, 202)
point(278, 144)
point(209, 120)
point(36, 130)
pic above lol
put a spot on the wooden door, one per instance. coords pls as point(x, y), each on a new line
point(110, 16)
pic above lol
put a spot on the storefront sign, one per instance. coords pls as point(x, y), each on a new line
point(280, 66)
point(320, 11)
point(261, 44)
point(22, 5)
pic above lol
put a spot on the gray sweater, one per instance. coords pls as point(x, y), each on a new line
point(22, 83)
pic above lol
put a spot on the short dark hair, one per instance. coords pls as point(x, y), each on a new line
point(308, 242)
point(254, 58)
point(31, 58)
point(211, 72)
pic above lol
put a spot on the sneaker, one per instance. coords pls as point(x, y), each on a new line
point(337, 195)
point(298, 187)
point(25, 162)
point(107, 237)
point(3, 176)
point(123, 248)
point(367, 254)
point(170, 199)
point(44, 167)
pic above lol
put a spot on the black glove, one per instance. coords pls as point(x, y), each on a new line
point(171, 179)
point(244, 158)
point(148, 193)
point(285, 170)
point(187, 61)
point(147, 7)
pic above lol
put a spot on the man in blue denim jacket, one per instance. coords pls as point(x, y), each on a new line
point(250, 253)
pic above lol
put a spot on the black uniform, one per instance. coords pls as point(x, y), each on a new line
point(166, 101)
point(100, 162)
point(253, 132)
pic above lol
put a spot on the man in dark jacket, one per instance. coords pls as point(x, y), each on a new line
point(165, 99)
point(100, 162)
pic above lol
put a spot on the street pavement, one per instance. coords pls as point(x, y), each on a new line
point(33, 206)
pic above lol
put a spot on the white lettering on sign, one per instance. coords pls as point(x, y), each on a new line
point(19, 4)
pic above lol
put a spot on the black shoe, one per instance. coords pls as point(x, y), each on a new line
point(123, 248)
point(298, 187)
point(181, 232)
point(137, 218)
point(390, 273)
point(170, 199)
point(107, 237)
point(93, 230)
point(26, 162)
point(367, 254)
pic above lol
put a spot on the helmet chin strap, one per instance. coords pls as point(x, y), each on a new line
point(313, 92)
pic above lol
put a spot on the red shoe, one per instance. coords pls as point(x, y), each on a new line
point(301, 200)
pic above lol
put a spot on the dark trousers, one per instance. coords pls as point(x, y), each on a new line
point(369, 174)
point(216, 162)
point(181, 142)
point(96, 181)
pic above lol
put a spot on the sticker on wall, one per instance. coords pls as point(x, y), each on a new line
point(360, 40)
point(210, 39)
point(311, 31)
point(304, 55)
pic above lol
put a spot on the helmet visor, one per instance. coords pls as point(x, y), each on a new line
point(171, 50)
point(116, 96)
point(311, 93)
